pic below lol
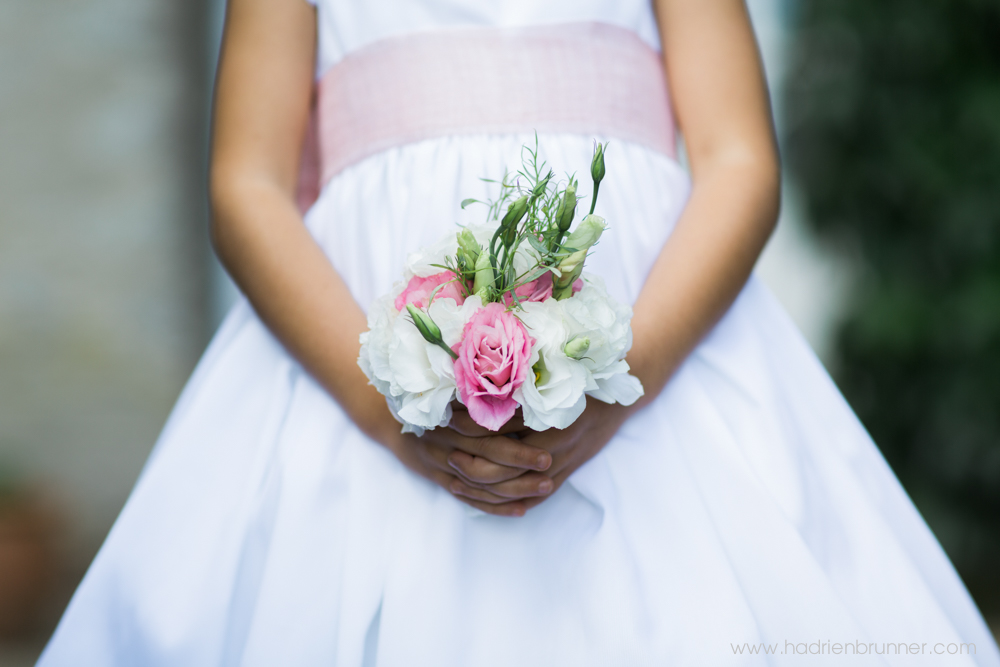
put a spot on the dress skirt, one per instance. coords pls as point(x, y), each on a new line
point(746, 505)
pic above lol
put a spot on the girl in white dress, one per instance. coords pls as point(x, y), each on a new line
point(738, 515)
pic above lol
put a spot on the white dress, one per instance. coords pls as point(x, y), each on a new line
point(745, 505)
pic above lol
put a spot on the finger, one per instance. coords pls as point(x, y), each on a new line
point(463, 423)
point(500, 507)
point(483, 499)
point(534, 502)
point(504, 451)
point(478, 469)
point(434, 455)
point(436, 446)
point(527, 485)
point(514, 509)
point(557, 481)
point(460, 488)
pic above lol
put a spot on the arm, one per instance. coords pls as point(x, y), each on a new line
point(262, 103)
point(723, 111)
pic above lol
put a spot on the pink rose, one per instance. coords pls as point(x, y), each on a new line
point(539, 289)
point(492, 362)
point(418, 290)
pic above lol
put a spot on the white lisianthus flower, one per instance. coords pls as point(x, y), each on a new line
point(423, 379)
point(374, 355)
point(552, 395)
point(423, 375)
point(416, 377)
point(592, 313)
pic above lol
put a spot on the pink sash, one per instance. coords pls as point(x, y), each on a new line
point(592, 79)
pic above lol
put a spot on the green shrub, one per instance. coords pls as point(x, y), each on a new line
point(893, 133)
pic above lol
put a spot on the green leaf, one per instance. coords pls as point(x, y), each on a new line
point(443, 266)
point(466, 202)
point(537, 245)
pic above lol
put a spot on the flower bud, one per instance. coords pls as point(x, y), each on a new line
point(567, 209)
point(484, 274)
point(577, 347)
point(586, 234)
point(596, 173)
point(562, 287)
point(597, 165)
point(515, 212)
point(508, 227)
point(425, 325)
point(541, 187)
point(428, 329)
point(468, 248)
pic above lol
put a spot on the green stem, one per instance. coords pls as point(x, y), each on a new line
point(447, 349)
point(593, 200)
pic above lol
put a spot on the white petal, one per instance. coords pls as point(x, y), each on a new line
point(451, 318)
point(560, 399)
point(561, 418)
point(622, 388)
point(428, 409)
point(409, 362)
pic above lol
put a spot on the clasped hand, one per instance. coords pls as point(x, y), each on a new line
point(508, 472)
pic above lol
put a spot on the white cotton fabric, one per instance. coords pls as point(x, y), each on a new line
point(746, 504)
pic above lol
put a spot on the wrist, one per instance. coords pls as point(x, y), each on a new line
point(611, 414)
point(368, 410)
point(653, 360)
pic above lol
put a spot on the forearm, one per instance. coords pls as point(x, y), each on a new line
point(704, 264)
point(291, 284)
point(263, 90)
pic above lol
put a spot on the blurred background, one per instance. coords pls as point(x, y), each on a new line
point(887, 256)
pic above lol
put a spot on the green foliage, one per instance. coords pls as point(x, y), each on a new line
point(893, 116)
point(538, 212)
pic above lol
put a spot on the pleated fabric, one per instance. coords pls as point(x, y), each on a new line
point(745, 505)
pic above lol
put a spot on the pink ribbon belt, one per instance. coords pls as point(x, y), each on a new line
point(593, 79)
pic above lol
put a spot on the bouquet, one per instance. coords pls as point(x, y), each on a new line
point(501, 315)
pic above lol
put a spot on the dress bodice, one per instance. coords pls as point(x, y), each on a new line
point(347, 25)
